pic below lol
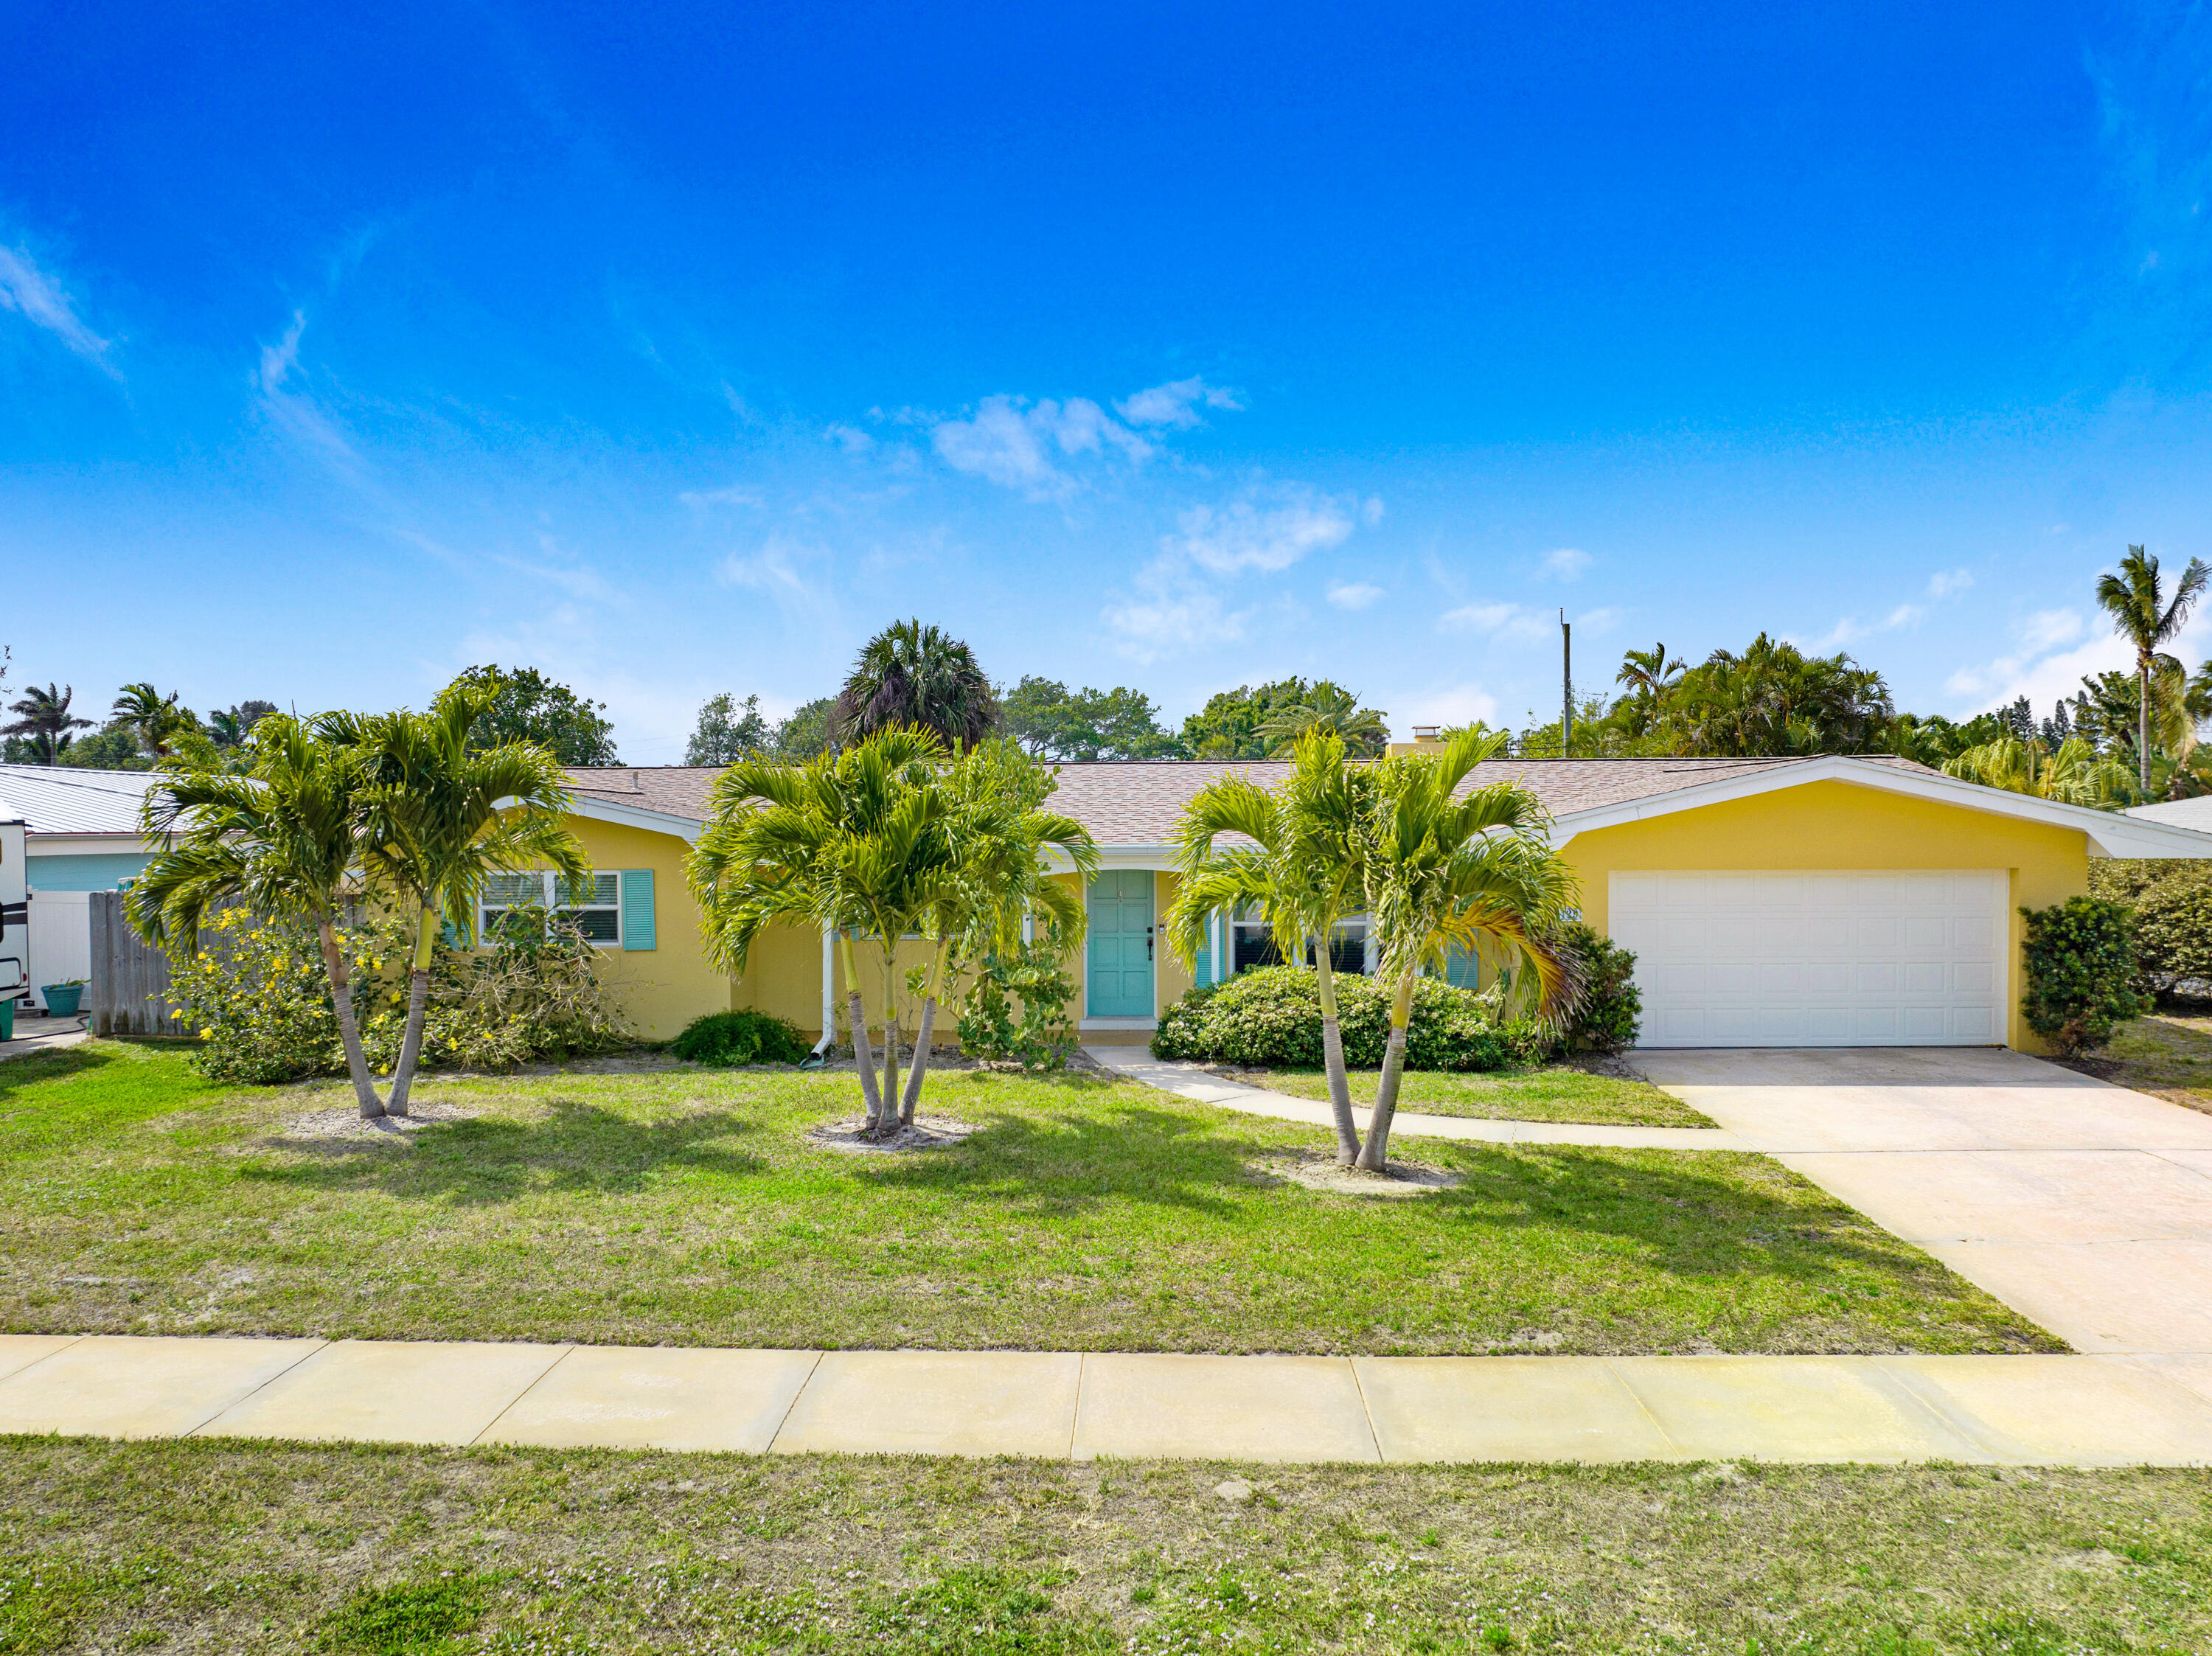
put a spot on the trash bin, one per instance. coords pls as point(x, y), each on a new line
point(7, 1020)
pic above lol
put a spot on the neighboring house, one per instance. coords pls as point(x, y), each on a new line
point(2180, 813)
point(1784, 902)
point(64, 832)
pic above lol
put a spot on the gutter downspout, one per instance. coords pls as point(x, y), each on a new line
point(820, 1055)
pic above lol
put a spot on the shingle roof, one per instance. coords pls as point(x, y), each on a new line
point(62, 799)
point(1136, 802)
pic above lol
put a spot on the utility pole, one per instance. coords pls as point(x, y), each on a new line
point(1567, 686)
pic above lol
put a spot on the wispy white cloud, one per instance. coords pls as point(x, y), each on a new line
point(2030, 668)
point(1602, 620)
point(735, 494)
point(793, 574)
point(1567, 563)
point(1020, 445)
point(1948, 583)
point(1176, 403)
point(1513, 620)
point(42, 302)
point(851, 438)
point(1944, 584)
point(280, 384)
point(1353, 594)
point(1265, 529)
point(1170, 612)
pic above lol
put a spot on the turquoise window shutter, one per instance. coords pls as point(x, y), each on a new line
point(637, 908)
point(1462, 968)
point(1202, 970)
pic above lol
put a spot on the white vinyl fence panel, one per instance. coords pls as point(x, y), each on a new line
point(61, 939)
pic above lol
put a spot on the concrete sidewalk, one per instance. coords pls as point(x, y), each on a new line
point(1998, 1411)
point(1191, 1080)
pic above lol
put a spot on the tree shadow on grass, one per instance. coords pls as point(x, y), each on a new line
point(60, 1063)
point(579, 1148)
point(1691, 1215)
point(1068, 1163)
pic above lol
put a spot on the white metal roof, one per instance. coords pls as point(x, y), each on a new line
point(61, 799)
point(2180, 813)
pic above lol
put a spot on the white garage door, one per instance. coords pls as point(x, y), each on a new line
point(1816, 959)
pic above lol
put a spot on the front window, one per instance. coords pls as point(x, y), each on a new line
point(1251, 944)
point(593, 904)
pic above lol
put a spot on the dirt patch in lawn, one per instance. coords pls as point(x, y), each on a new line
point(1318, 1171)
point(926, 1132)
point(348, 1126)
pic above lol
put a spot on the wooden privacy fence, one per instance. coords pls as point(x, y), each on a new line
point(129, 994)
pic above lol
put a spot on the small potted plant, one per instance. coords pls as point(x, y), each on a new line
point(63, 998)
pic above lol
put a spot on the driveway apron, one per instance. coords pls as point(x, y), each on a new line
point(2080, 1204)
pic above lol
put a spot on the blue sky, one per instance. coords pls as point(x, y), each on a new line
point(678, 351)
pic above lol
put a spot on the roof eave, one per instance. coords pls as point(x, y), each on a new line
point(2109, 834)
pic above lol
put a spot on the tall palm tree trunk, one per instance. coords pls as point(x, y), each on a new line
point(2142, 723)
point(364, 1086)
point(864, 1061)
point(890, 1122)
point(920, 1067)
point(1374, 1156)
point(418, 1001)
point(1332, 1054)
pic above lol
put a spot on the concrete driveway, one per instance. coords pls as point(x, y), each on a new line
point(2082, 1206)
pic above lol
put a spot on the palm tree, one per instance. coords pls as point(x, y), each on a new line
point(229, 727)
point(284, 838)
point(1334, 709)
point(438, 818)
point(1297, 860)
point(44, 716)
point(910, 675)
point(2134, 597)
point(2074, 774)
point(857, 842)
point(1474, 873)
point(1001, 839)
point(155, 718)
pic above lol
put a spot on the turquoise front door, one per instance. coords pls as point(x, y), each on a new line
point(1118, 957)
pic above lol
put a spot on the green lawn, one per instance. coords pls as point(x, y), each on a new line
point(688, 1207)
point(2167, 1054)
point(228, 1547)
point(1557, 1092)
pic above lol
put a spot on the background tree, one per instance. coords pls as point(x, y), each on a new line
point(2077, 774)
point(43, 720)
point(1052, 722)
point(2141, 613)
point(1775, 700)
point(910, 675)
point(156, 719)
point(1230, 725)
point(111, 748)
point(525, 705)
point(284, 838)
point(1648, 677)
point(805, 734)
point(229, 727)
point(1334, 711)
point(728, 730)
point(441, 816)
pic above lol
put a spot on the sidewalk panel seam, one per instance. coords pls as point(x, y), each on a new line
point(194, 1431)
point(505, 1408)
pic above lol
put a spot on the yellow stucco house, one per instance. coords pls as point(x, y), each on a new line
point(1770, 902)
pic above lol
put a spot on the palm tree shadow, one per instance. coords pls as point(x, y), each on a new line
point(1073, 1162)
point(575, 1148)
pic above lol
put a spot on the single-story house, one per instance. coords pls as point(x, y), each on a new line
point(64, 832)
point(1815, 901)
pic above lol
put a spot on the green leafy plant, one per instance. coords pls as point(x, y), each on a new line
point(1269, 1018)
point(2081, 957)
point(1033, 978)
point(725, 1039)
point(411, 1618)
point(2171, 902)
point(1607, 1009)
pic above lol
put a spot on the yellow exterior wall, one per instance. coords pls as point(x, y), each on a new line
point(1839, 825)
point(665, 987)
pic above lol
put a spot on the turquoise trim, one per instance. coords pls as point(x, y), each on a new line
point(95, 870)
point(637, 908)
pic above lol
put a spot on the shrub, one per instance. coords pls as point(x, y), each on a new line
point(1609, 1009)
point(1270, 1018)
point(258, 996)
point(727, 1039)
point(1034, 976)
point(2081, 957)
point(2172, 907)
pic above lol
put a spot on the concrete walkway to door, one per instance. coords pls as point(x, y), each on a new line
point(2082, 1206)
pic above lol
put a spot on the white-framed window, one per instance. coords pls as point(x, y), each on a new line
point(1251, 944)
point(594, 903)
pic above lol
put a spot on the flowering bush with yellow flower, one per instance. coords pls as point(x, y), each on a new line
point(258, 999)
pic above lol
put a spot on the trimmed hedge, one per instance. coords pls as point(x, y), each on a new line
point(1270, 1018)
point(727, 1038)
